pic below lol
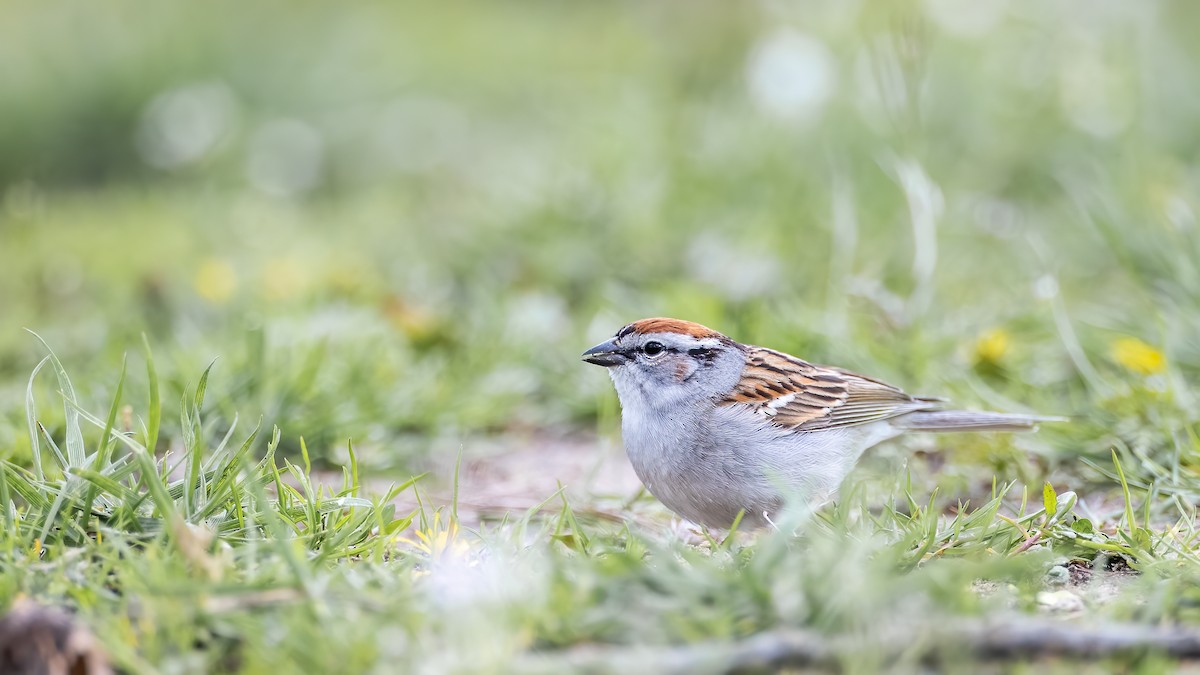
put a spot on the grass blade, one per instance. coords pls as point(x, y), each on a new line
point(75, 451)
point(155, 412)
point(101, 459)
point(35, 445)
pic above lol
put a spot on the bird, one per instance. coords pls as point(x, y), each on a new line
point(720, 431)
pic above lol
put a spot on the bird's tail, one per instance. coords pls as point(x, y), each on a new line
point(968, 420)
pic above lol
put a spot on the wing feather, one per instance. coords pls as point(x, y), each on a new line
point(802, 396)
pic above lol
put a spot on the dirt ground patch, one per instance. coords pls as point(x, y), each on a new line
point(509, 475)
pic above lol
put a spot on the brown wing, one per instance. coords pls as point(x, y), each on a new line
point(803, 396)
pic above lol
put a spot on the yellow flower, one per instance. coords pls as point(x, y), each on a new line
point(992, 346)
point(1137, 356)
point(438, 541)
point(215, 281)
point(416, 322)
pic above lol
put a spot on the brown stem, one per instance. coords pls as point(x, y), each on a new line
point(1014, 638)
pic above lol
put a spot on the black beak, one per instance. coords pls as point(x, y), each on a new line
point(606, 354)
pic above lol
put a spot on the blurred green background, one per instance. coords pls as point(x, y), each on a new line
point(403, 221)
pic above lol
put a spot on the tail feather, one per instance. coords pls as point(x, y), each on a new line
point(968, 420)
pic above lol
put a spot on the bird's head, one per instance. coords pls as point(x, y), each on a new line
point(669, 359)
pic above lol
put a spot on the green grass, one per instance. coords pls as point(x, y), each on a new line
point(208, 560)
point(400, 227)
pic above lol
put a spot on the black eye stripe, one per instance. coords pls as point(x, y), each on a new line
point(654, 348)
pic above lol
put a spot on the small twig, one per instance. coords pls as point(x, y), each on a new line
point(1028, 543)
point(229, 603)
point(1015, 638)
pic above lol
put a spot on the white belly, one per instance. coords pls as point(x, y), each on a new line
point(735, 462)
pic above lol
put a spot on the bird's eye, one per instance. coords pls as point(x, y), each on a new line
point(653, 348)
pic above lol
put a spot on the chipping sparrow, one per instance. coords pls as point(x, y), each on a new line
point(713, 427)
